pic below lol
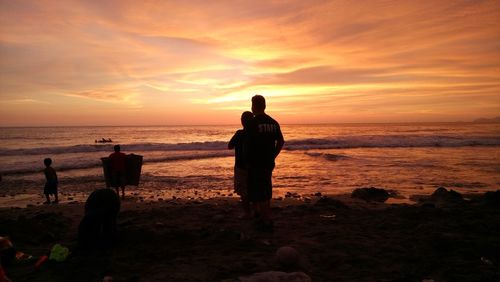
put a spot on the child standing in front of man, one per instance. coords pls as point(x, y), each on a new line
point(51, 182)
point(237, 143)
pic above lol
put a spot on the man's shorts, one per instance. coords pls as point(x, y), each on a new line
point(260, 186)
point(241, 182)
point(118, 179)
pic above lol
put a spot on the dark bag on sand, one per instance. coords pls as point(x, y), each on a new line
point(133, 164)
point(98, 226)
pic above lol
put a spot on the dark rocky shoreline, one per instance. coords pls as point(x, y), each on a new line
point(337, 239)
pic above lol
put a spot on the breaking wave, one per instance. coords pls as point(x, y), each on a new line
point(20, 161)
point(344, 142)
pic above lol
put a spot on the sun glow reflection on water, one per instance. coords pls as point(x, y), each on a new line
point(303, 167)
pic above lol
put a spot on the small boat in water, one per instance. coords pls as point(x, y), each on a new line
point(103, 140)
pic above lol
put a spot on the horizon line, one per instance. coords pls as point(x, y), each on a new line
point(238, 124)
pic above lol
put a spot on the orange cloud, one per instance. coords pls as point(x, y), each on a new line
point(327, 61)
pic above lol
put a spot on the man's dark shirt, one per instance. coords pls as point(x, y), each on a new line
point(118, 161)
point(237, 141)
point(263, 133)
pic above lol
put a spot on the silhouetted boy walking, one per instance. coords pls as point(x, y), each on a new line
point(51, 182)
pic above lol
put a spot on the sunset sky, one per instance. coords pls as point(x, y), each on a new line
point(200, 62)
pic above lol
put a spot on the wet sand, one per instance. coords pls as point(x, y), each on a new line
point(338, 239)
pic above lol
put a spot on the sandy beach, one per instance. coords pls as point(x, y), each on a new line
point(338, 238)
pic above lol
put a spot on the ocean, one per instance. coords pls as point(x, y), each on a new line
point(193, 161)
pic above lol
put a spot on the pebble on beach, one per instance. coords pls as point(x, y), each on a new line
point(287, 256)
point(276, 276)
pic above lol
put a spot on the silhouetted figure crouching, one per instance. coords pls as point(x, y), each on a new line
point(98, 226)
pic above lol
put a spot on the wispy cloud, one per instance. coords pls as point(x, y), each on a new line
point(24, 102)
point(120, 96)
point(380, 57)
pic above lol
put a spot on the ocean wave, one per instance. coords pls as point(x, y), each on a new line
point(140, 147)
point(339, 142)
point(391, 141)
point(89, 163)
point(327, 156)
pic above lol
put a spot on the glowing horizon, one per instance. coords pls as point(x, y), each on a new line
point(149, 62)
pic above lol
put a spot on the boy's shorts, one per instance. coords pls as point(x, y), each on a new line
point(241, 182)
point(50, 188)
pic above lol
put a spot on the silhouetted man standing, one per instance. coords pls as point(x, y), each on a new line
point(265, 142)
point(118, 170)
